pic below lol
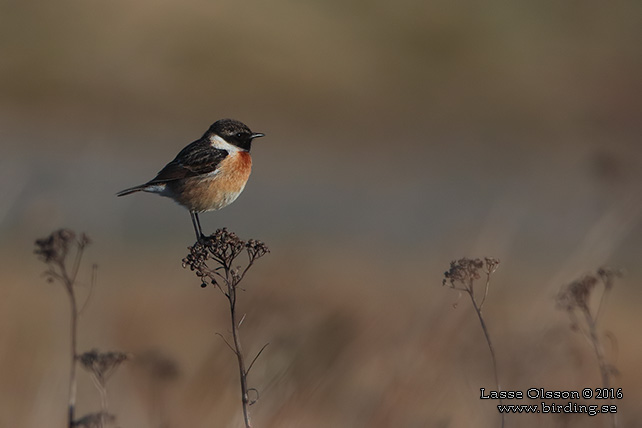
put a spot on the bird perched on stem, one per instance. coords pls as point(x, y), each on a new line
point(208, 174)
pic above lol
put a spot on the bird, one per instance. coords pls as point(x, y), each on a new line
point(209, 173)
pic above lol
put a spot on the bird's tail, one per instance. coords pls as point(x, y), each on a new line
point(131, 190)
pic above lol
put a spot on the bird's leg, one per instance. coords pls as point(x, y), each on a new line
point(198, 222)
point(197, 225)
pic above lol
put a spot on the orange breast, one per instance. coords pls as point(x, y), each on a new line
point(207, 193)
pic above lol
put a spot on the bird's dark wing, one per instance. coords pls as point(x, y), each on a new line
point(197, 158)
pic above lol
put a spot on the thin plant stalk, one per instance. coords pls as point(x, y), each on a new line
point(74, 354)
point(465, 272)
point(576, 296)
point(493, 358)
point(601, 360)
point(489, 343)
point(224, 247)
point(69, 281)
point(239, 355)
point(54, 251)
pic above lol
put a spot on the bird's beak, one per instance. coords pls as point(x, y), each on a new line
point(257, 135)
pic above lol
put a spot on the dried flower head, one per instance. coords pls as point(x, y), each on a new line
point(584, 304)
point(461, 276)
point(577, 294)
point(608, 275)
point(491, 264)
point(256, 248)
point(223, 247)
point(102, 364)
point(463, 271)
point(94, 420)
point(55, 246)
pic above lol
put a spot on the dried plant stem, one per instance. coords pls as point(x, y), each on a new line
point(104, 404)
point(488, 341)
point(74, 354)
point(605, 374)
point(576, 297)
point(461, 276)
point(68, 281)
point(224, 247)
point(481, 305)
point(54, 251)
point(231, 293)
point(232, 279)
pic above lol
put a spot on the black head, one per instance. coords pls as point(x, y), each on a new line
point(234, 132)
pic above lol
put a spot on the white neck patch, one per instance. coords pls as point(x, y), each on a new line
point(219, 143)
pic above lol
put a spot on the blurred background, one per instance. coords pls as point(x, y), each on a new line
point(400, 136)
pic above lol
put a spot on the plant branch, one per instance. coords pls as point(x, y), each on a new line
point(256, 358)
point(576, 297)
point(461, 277)
point(223, 248)
point(53, 250)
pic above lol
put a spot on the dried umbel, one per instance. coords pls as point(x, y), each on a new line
point(102, 364)
point(608, 275)
point(462, 276)
point(584, 304)
point(94, 420)
point(55, 247)
point(577, 294)
point(223, 247)
point(62, 252)
point(464, 272)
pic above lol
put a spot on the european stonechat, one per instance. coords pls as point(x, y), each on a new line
point(209, 173)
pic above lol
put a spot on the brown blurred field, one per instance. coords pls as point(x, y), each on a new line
point(400, 136)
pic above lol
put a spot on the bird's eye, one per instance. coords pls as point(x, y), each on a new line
point(239, 134)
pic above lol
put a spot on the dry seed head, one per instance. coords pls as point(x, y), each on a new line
point(223, 247)
point(608, 275)
point(256, 248)
point(491, 264)
point(94, 420)
point(102, 365)
point(55, 246)
point(464, 271)
point(577, 294)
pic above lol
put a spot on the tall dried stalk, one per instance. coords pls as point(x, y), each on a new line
point(461, 276)
point(223, 248)
point(55, 251)
point(576, 298)
point(62, 252)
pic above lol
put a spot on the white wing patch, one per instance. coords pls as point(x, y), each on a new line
point(155, 188)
